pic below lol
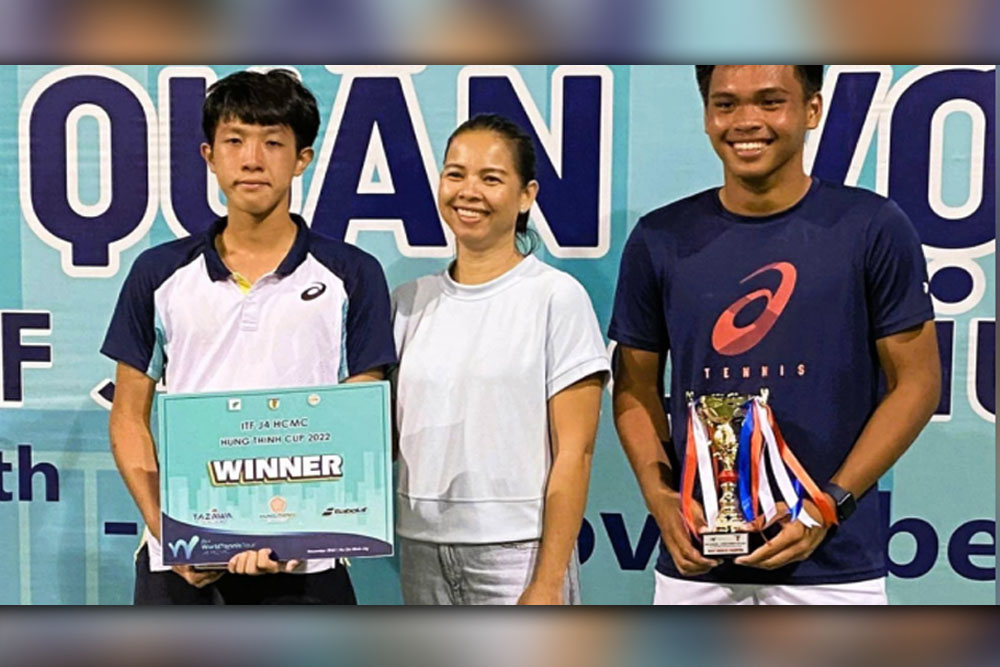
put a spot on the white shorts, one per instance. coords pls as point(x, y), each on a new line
point(672, 591)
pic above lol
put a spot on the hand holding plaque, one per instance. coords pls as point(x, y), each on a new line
point(738, 493)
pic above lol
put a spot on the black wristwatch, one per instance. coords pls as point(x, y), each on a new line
point(843, 499)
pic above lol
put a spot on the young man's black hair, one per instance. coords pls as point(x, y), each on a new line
point(276, 97)
point(810, 76)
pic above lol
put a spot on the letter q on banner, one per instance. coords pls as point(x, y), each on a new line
point(89, 237)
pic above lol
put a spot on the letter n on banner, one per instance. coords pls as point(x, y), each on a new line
point(573, 211)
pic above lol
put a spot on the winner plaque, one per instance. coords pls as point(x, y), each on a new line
point(306, 472)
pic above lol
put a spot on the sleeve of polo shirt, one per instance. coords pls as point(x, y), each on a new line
point(574, 347)
point(369, 319)
point(895, 273)
point(133, 336)
point(637, 319)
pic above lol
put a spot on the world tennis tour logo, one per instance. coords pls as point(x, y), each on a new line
point(729, 339)
point(187, 546)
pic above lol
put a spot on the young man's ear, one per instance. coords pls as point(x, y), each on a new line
point(206, 153)
point(303, 160)
point(814, 111)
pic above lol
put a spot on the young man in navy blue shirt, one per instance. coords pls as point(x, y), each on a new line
point(258, 301)
point(782, 281)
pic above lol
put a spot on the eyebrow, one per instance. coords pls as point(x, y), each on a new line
point(458, 165)
point(763, 91)
point(243, 128)
point(773, 90)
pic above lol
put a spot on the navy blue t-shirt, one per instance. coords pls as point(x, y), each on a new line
point(793, 302)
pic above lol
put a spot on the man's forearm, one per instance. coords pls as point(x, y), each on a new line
point(642, 429)
point(133, 450)
point(892, 428)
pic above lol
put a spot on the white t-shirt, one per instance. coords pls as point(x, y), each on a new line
point(477, 366)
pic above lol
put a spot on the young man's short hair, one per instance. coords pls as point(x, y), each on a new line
point(276, 97)
point(810, 76)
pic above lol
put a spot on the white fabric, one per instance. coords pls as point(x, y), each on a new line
point(674, 591)
point(778, 467)
point(763, 480)
point(286, 341)
point(477, 366)
point(706, 471)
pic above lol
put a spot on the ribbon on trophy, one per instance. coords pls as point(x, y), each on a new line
point(762, 455)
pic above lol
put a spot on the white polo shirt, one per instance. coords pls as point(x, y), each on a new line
point(321, 316)
point(477, 366)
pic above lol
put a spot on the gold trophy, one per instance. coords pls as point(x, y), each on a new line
point(724, 413)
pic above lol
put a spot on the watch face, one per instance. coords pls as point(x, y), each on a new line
point(846, 506)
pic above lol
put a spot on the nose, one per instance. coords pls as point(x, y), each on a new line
point(253, 155)
point(468, 189)
point(746, 118)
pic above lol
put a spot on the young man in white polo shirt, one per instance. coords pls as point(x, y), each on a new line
point(258, 301)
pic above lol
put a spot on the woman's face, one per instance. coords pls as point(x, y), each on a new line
point(480, 194)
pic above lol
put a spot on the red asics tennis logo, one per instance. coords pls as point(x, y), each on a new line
point(729, 339)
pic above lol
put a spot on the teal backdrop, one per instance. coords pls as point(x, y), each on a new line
point(99, 163)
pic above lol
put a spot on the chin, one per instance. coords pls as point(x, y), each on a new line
point(751, 172)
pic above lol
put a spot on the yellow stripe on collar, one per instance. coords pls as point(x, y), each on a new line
point(241, 282)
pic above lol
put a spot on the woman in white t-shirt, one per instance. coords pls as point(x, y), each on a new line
point(498, 394)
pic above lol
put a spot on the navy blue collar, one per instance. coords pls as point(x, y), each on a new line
point(217, 270)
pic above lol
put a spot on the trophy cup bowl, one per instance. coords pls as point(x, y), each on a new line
point(728, 535)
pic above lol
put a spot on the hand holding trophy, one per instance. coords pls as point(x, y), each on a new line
point(738, 493)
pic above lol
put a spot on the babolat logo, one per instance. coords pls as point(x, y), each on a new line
point(187, 546)
point(330, 511)
point(313, 291)
point(212, 516)
point(276, 469)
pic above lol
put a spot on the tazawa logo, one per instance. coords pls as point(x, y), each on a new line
point(729, 339)
point(212, 516)
point(313, 291)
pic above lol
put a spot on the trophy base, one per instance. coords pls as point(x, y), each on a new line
point(725, 544)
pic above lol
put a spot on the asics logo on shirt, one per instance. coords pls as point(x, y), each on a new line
point(313, 291)
point(729, 339)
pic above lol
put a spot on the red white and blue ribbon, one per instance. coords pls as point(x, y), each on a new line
point(762, 456)
point(698, 457)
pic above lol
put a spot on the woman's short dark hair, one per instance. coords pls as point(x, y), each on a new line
point(523, 150)
point(276, 97)
point(810, 76)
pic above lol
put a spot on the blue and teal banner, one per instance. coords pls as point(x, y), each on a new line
point(99, 163)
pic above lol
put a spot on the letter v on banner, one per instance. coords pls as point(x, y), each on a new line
point(573, 209)
point(853, 98)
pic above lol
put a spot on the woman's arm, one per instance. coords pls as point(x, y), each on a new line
point(573, 417)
